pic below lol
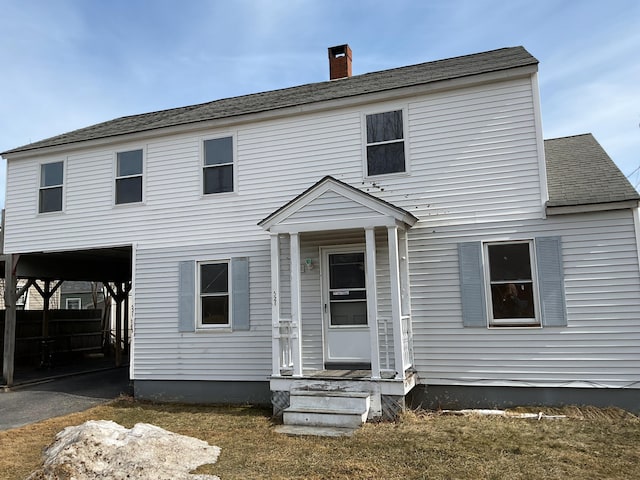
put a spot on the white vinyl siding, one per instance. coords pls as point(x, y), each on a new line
point(485, 169)
point(598, 347)
point(163, 352)
point(474, 177)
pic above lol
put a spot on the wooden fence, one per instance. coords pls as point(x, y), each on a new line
point(70, 331)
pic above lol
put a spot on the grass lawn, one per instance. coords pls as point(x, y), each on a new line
point(590, 444)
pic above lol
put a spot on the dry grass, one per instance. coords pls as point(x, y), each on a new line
point(590, 444)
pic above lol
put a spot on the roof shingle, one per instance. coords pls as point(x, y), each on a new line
point(579, 172)
point(492, 61)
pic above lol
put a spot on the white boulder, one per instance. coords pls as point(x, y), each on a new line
point(101, 450)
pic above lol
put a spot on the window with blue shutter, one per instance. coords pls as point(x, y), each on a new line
point(214, 295)
point(472, 284)
point(510, 284)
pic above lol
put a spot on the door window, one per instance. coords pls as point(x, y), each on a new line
point(347, 289)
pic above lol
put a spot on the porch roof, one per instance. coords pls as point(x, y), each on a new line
point(331, 204)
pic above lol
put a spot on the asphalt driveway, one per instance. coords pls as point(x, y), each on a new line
point(33, 403)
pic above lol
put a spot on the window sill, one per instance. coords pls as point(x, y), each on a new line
point(210, 196)
point(47, 214)
point(129, 204)
point(383, 176)
point(511, 325)
point(220, 329)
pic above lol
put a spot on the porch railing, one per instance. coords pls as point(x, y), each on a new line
point(387, 345)
point(407, 341)
point(284, 333)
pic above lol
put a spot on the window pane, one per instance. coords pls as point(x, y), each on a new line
point(215, 310)
point(214, 278)
point(382, 127)
point(510, 262)
point(51, 174)
point(346, 270)
point(130, 163)
point(385, 158)
point(51, 200)
point(218, 150)
point(349, 313)
point(512, 300)
point(218, 179)
point(129, 190)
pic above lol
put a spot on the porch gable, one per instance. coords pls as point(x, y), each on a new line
point(331, 204)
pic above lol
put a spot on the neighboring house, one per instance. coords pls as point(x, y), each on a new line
point(31, 298)
point(398, 233)
point(76, 295)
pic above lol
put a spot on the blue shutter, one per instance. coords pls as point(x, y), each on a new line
point(240, 293)
point(472, 284)
point(551, 281)
point(187, 296)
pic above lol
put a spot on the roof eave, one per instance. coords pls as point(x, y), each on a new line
point(591, 207)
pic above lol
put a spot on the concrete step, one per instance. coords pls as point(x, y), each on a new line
point(334, 400)
point(325, 417)
point(307, 430)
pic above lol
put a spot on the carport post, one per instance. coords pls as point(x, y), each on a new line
point(10, 285)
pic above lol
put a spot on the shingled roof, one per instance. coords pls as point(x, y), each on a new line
point(579, 172)
point(424, 73)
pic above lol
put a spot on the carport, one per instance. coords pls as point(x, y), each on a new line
point(46, 272)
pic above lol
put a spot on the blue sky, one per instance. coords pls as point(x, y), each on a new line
point(67, 64)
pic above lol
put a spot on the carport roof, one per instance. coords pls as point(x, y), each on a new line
point(97, 265)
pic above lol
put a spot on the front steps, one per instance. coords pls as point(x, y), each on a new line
point(325, 412)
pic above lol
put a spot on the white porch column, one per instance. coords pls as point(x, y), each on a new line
point(396, 307)
point(275, 304)
point(296, 306)
point(372, 301)
point(405, 291)
point(403, 251)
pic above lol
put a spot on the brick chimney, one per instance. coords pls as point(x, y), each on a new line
point(339, 62)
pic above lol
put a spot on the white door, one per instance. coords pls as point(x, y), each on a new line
point(346, 329)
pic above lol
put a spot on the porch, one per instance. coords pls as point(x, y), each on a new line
point(341, 304)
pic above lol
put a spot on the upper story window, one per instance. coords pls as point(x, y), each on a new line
point(51, 182)
point(385, 143)
point(214, 295)
point(511, 284)
point(218, 165)
point(129, 177)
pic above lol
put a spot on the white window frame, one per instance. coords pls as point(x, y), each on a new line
point(62, 185)
point(117, 177)
point(405, 134)
point(73, 299)
point(233, 163)
point(536, 322)
point(200, 295)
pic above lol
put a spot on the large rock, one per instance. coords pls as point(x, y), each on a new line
point(101, 450)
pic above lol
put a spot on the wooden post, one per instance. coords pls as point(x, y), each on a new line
point(119, 297)
point(125, 329)
point(296, 306)
point(9, 319)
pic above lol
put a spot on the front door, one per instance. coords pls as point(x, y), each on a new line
point(346, 328)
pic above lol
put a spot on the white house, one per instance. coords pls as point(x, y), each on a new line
point(404, 234)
